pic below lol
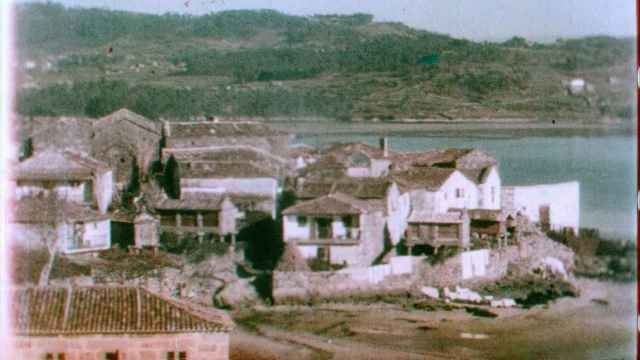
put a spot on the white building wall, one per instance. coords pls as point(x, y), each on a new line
point(96, 236)
point(563, 200)
point(293, 230)
point(69, 192)
point(447, 193)
point(491, 186)
point(249, 186)
point(345, 254)
point(398, 209)
point(358, 172)
point(308, 251)
point(103, 190)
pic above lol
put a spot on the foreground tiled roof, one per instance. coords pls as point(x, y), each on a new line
point(107, 310)
point(361, 188)
point(333, 204)
point(422, 178)
point(220, 129)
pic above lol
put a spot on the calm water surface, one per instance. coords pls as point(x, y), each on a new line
point(604, 164)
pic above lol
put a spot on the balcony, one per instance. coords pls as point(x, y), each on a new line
point(351, 238)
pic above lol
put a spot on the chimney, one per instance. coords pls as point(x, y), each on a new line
point(384, 146)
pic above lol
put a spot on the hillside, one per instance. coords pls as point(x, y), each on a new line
point(75, 61)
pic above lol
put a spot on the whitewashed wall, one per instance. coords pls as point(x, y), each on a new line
point(70, 192)
point(398, 209)
point(103, 190)
point(447, 199)
point(563, 200)
point(293, 230)
point(96, 236)
point(494, 182)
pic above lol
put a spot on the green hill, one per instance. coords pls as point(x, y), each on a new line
point(77, 61)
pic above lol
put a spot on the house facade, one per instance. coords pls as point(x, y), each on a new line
point(71, 176)
point(336, 228)
point(37, 221)
point(204, 216)
point(199, 134)
point(128, 142)
point(121, 323)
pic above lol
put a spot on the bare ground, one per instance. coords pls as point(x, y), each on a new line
point(570, 328)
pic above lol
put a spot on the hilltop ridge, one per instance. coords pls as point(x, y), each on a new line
point(78, 61)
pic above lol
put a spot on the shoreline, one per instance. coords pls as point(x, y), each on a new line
point(517, 127)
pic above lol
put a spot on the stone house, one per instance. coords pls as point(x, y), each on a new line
point(381, 190)
point(257, 157)
point(73, 177)
point(114, 323)
point(204, 216)
point(337, 228)
point(198, 134)
point(123, 140)
point(436, 230)
point(146, 231)
point(360, 160)
point(128, 142)
point(240, 181)
point(37, 221)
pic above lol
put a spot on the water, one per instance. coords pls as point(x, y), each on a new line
point(604, 164)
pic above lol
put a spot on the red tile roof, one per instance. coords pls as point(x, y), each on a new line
point(40, 311)
point(218, 170)
point(37, 210)
point(361, 188)
point(131, 117)
point(58, 166)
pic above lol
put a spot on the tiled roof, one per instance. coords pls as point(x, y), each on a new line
point(107, 310)
point(333, 204)
point(343, 150)
point(422, 178)
point(478, 176)
point(192, 203)
point(484, 214)
point(233, 154)
point(37, 210)
point(361, 188)
point(60, 166)
point(434, 218)
point(430, 157)
point(210, 169)
point(136, 119)
point(220, 129)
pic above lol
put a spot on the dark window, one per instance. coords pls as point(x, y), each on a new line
point(48, 356)
point(111, 356)
point(182, 355)
point(210, 219)
point(61, 356)
point(168, 219)
point(189, 219)
point(302, 220)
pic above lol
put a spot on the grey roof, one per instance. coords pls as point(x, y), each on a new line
point(422, 178)
point(333, 204)
point(361, 188)
point(55, 165)
point(39, 209)
point(221, 129)
point(219, 170)
point(131, 117)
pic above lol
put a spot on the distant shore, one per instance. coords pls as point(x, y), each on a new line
point(508, 127)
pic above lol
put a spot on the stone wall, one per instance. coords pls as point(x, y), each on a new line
point(204, 346)
point(307, 286)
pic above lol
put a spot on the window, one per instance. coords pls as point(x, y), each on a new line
point(210, 219)
point(111, 356)
point(459, 193)
point(182, 355)
point(302, 220)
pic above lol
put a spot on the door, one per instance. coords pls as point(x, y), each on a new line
point(545, 217)
point(324, 228)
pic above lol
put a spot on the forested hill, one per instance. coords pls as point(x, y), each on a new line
point(76, 61)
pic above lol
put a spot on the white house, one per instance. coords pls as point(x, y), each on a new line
point(336, 228)
point(72, 176)
point(38, 221)
point(554, 206)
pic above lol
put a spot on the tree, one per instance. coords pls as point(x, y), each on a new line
point(51, 208)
